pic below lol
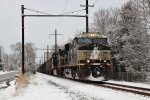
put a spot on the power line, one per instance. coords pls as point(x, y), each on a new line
point(62, 12)
point(95, 2)
point(77, 25)
point(37, 11)
point(65, 6)
point(51, 14)
point(73, 11)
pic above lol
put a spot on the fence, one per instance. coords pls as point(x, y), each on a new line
point(130, 76)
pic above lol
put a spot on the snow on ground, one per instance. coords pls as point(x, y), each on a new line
point(2, 72)
point(45, 87)
point(8, 92)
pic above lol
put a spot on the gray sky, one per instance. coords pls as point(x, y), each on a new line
point(37, 30)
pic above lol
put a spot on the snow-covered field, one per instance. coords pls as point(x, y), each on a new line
point(45, 87)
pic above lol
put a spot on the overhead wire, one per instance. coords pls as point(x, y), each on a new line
point(38, 11)
point(73, 11)
point(95, 2)
point(62, 12)
point(77, 25)
point(51, 14)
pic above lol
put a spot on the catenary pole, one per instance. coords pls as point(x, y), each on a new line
point(22, 10)
point(87, 18)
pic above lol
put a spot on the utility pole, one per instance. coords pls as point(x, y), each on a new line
point(87, 18)
point(1, 66)
point(87, 12)
point(55, 39)
point(45, 49)
point(22, 11)
point(47, 52)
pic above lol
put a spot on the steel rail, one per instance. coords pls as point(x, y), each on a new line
point(114, 86)
point(126, 88)
point(129, 86)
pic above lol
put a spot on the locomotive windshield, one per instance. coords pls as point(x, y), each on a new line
point(84, 40)
point(92, 40)
point(89, 43)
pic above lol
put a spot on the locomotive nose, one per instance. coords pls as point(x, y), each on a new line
point(97, 72)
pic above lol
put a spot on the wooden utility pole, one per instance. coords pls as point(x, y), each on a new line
point(87, 12)
point(55, 40)
point(87, 18)
point(47, 52)
point(22, 10)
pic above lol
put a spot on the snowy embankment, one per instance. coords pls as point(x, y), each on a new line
point(45, 87)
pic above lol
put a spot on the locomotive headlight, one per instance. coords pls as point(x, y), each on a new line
point(88, 61)
point(93, 35)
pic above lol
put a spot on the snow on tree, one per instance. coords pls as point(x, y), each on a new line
point(1, 64)
point(133, 53)
point(29, 55)
point(106, 22)
point(128, 31)
point(5, 60)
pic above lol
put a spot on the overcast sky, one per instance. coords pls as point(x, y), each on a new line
point(37, 30)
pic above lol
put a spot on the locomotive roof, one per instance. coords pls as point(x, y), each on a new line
point(92, 35)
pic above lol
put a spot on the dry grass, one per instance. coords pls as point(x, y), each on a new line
point(21, 84)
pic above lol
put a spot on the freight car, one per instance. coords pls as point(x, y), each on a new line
point(86, 58)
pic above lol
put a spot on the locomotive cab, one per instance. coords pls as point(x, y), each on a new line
point(93, 56)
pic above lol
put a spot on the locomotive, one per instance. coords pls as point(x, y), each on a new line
point(86, 58)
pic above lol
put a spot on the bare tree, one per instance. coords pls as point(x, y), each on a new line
point(101, 20)
point(106, 20)
point(29, 55)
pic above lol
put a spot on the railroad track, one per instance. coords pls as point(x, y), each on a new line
point(120, 87)
point(126, 88)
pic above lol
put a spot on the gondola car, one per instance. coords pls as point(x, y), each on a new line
point(86, 58)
